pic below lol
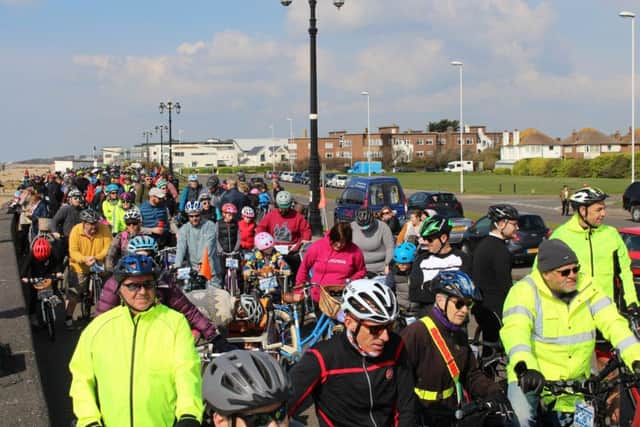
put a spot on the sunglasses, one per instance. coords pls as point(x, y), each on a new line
point(135, 287)
point(265, 418)
point(377, 330)
point(76, 198)
point(194, 216)
point(567, 271)
point(132, 223)
point(462, 303)
point(431, 239)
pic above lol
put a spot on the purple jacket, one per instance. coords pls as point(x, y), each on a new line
point(170, 295)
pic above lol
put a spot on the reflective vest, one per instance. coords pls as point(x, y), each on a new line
point(558, 339)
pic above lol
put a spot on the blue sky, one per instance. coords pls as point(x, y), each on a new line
point(81, 73)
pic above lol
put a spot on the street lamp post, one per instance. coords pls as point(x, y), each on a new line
point(365, 93)
point(627, 14)
point(461, 127)
point(273, 149)
point(314, 156)
point(170, 106)
point(290, 142)
point(161, 129)
point(147, 134)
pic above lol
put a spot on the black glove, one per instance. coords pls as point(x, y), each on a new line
point(636, 367)
point(500, 403)
point(529, 379)
point(633, 310)
point(187, 421)
point(221, 345)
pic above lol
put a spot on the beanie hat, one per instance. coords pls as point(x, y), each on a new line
point(555, 253)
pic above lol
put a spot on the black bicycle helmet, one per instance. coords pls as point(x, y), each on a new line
point(134, 265)
point(500, 212)
point(455, 283)
point(587, 196)
point(364, 216)
point(435, 226)
point(89, 215)
point(241, 380)
point(213, 181)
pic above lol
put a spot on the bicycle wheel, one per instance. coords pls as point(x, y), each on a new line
point(85, 304)
point(49, 319)
point(285, 329)
point(97, 290)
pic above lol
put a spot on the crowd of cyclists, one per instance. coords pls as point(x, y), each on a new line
point(403, 357)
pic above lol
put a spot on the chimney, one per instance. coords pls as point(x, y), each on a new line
point(505, 138)
point(516, 137)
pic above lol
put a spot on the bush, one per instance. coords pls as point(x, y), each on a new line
point(502, 171)
point(521, 167)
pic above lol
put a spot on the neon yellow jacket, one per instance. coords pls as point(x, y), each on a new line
point(144, 369)
point(109, 210)
point(557, 339)
point(595, 250)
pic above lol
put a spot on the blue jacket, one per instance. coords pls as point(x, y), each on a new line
point(188, 194)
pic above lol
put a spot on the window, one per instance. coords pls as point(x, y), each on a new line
point(429, 141)
point(458, 141)
point(442, 141)
point(420, 153)
point(328, 145)
point(345, 143)
point(420, 142)
point(178, 154)
point(328, 155)
point(469, 141)
point(352, 196)
point(551, 147)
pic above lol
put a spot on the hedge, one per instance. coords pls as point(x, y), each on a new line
point(603, 166)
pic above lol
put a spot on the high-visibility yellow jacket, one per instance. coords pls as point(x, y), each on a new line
point(558, 339)
point(81, 246)
point(596, 249)
point(109, 209)
point(136, 371)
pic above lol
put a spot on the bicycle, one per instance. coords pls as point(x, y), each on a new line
point(48, 301)
point(91, 296)
point(491, 357)
point(231, 275)
point(191, 279)
point(166, 257)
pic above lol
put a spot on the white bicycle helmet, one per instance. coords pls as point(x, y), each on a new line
point(193, 207)
point(587, 196)
point(370, 299)
point(248, 212)
point(251, 307)
point(263, 241)
point(284, 199)
point(142, 243)
point(74, 193)
point(132, 215)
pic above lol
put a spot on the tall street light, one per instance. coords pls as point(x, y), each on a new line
point(161, 129)
point(273, 148)
point(627, 14)
point(461, 126)
point(170, 106)
point(314, 156)
point(290, 120)
point(365, 93)
point(147, 134)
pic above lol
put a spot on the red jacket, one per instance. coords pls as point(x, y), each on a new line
point(286, 230)
point(247, 233)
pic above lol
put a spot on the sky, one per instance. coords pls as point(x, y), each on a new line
point(78, 74)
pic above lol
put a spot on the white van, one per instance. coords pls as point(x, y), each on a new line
point(456, 166)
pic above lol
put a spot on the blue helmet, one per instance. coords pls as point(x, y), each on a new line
point(142, 243)
point(404, 253)
point(193, 207)
point(455, 283)
point(134, 265)
point(193, 178)
point(112, 187)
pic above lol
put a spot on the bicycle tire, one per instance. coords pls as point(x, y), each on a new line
point(49, 320)
point(286, 328)
point(97, 290)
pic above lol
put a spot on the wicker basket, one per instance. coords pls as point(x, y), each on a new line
point(329, 301)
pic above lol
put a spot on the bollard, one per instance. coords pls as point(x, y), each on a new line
point(514, 187)
point(500, 188)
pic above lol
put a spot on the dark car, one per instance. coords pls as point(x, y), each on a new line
point(631, 201)
point(524, 245)
point(374, 192)
point(256, 180)
point(444, 203)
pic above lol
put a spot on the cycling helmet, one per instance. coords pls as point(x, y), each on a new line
point(587, 196)
point(193, 207)
point(263, 241)
point(435, 226)
point(142, 243)
point(112, 187)
point(74, 193)
point(89, 215)
point(500, 212)
point(126, 196)
point(248, 212)
point(455, 284)
point(404, 253)
point(41, 249)
point(364, 216)
point(229, 208)
point(254, 191)
point(161, 183)
point(241, 380)
point(213, 181)
point(370, 299)
point(134, 265)
point(132, 215)
point(284, 199)
point(193, 177)
point(204, 196)
point(251, 307)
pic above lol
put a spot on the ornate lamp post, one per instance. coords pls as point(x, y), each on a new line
point(147, 134)
point(170, 106)
point(161, 129)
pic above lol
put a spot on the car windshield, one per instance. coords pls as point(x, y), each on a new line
point(530, 222)
point(444, 197)
point(631, 241)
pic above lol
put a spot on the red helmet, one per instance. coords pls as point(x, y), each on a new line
point(229, 208)
point(41, 249)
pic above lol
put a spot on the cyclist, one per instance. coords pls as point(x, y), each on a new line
point(550, 320)
point(110, 204)
point(155, 216)
point(228, 232)
point(142, 189)
point(89, 243)
point(142, 350)
point(332, 260)
point(215, 190)
point(492, 270)
point(439, 352)
point(196, 238)
point(264, 261)
point(398, 278)
point(264, 200)
point(375, 239)
point(440, 256)
point(410, 232)
point(190, 192)
point(599, 247)
point(119, 243)
point(247, 228)
point(388, 216)
point(208, 212)
point(126, 203)
point(361, 377)
point(246, 388)
point(235, 197)
point(68, 215)
point(288, 228)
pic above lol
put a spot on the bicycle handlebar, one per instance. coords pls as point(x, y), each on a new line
point(475, 407)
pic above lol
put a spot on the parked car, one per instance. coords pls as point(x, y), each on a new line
point(524, 245)
point(297, 178)
point(631, 201)
point(328, 177)
point(403, 169)
point(286, 176)
point(374, 192)
point(339, 181)
point(446, 204)
point(631, 238)
point(255, 180)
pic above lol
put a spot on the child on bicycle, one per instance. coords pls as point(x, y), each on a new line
point(398, 278)
point(265, 262)
point(247, 228)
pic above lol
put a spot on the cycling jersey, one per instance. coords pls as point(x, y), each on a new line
point(427, 266)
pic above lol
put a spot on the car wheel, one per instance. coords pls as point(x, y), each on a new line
point(635, 213)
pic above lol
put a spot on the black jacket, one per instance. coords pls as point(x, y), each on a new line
point(228, 237)
point(492, 272)
point(239, 199)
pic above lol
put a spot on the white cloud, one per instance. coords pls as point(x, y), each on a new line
point(191, 48)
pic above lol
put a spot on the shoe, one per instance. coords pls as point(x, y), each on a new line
point(68, 323)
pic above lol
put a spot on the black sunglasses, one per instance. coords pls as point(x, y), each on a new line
point(135, 287)
point(378, 329)
point(265, 418)
point(461, 303)
point(132, 222)
point(194, 216)
point(567, 271)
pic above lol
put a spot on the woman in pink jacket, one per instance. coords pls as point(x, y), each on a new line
point(331, 261)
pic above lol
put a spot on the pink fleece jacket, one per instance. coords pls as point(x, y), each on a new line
point(330, 267)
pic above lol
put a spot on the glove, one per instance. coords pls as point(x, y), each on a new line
point(500, 403)
point(529, 379)
point(633, 310)
point(221, 345)
point(636, 367)
point(187, 421)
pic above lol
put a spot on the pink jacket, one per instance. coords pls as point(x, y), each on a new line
point(329, 267)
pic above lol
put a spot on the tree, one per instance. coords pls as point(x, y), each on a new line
point(442, 125)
